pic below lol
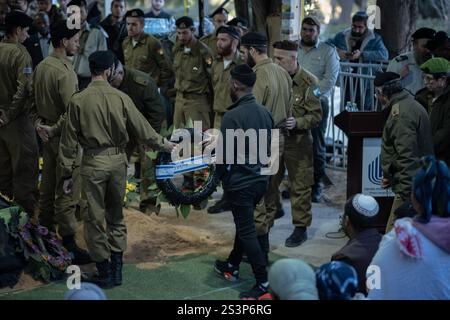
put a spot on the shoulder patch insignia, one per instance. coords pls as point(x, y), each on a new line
point(395, 110)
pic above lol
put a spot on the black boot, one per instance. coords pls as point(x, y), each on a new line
point(220, 206)
point(116, 267)
point(103, 277)
point(297, 237)
point(265, 246)
point(79, 256)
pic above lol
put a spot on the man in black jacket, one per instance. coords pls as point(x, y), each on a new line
point(116, 28)
point(38, 44)
point(242, 176)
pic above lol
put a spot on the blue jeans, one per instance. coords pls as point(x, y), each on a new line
point(319, 147)
point(243, 203)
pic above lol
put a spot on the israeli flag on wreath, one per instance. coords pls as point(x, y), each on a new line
point(371, 169)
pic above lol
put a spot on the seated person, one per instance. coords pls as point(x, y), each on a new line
point(292, 279)
point(360, 216)
point(414, 258)
point(336, 280)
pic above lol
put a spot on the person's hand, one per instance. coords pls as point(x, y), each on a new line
point(68, 186)
point(385, 183)
point(168, 146)
point(355, 55)
point(3, 118)
point(44, 132)
point(404, 71)
point(209, 140)
point(343, 55)
point(291, 123)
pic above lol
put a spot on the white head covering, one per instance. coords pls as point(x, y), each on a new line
point(293, 279)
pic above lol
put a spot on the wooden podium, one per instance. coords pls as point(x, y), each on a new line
point(364, 131)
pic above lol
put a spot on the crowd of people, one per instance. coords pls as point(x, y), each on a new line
point(86, 98)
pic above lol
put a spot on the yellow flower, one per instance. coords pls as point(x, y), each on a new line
point(41, 163)
point(131, 187)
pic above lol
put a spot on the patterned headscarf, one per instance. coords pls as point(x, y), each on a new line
point(431, 188)
point(336, 280)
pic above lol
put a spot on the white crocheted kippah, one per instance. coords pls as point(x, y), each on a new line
point(365, 205)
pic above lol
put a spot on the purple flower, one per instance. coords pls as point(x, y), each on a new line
point(35, 248)
point(43, 231)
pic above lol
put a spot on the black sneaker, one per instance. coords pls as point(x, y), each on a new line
point(297, 237)
point(258, 292)
point(229, 273)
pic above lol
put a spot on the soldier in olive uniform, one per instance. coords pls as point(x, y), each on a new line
point(142, 90)
point(408, 65)
point(436, 98)
point(99, 119)
point(298, 153)
point(54, 83)
point(220, 18)
point(273, 89)
point(406, 138)
point(192, 66)
point(228, 57)
point(144, 52)
point(18, 143)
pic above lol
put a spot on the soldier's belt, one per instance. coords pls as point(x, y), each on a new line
point(187, 95)
point(111, 151)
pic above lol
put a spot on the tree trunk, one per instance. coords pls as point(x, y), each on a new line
point(241, 9)
point(346, 13)
point(398, 21)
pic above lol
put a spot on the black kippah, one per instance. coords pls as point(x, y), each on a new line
point(244, 74)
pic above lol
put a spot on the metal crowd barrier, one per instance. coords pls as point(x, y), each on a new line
point(354, 91)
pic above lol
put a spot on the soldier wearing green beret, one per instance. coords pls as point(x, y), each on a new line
point(435, 97)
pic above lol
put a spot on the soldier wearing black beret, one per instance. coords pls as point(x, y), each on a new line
point(220, 18)
point(406, 138)
point(104, 163)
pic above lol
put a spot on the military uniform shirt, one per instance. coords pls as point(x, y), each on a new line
point(147, 55)
point(15, 74)
point(192, 68)
point(101, 116)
